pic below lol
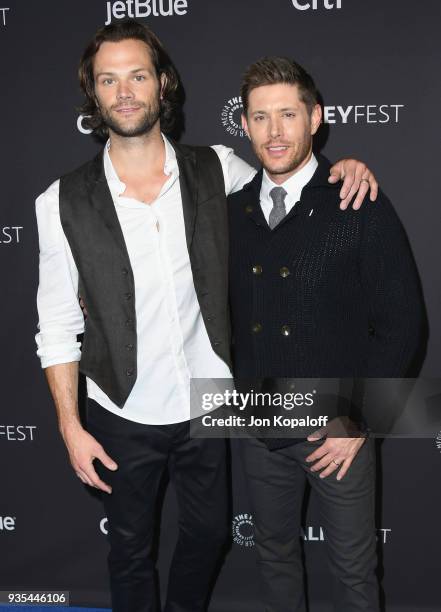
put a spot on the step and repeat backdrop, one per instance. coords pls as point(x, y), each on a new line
point(376, 64)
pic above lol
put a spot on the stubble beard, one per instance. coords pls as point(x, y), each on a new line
point(144, 124)
point(299, 155)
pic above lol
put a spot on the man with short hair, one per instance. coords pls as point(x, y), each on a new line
point(314, 293)
point(139, 233)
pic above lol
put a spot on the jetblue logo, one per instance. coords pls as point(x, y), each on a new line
point(145, 8)
point(314, 5)
point(7, 523)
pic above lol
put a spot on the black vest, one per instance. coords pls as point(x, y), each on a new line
point(106, 283)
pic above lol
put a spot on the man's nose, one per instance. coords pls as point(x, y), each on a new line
point(124, 91)
point(274, 126)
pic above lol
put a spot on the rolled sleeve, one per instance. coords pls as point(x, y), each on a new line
point(237, 172)
point(60, 316)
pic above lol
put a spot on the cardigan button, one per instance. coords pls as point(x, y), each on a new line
point(285, 330)
point(256, 328)
point(129, 322)
point(129, 371)
point(125, 271)
point(257, 270)
point(249, 209)
point(284, 272)
point(130, 347)
point(128, 296)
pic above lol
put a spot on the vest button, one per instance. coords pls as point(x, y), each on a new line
point(284, 272)
point(248, 209)
point(129, 372)
point(130, 347)
point(256, 328)
point(257, 270)
point(285, 330)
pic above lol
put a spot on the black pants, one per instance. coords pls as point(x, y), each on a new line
point(197, 468)
point(276, 482)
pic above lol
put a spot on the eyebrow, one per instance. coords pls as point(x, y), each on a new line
point(99, 74)
point(281, 110)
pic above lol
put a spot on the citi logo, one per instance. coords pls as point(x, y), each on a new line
point(10, 234)
point(3, 15)
point(146, 8)
point(7, 523)
point(316, 4)
point(361, 113)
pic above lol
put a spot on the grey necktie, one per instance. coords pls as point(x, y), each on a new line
point(278, 212)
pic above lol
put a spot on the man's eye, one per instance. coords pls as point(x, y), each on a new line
point(107, 81)
point(139, 77)
point(290, 115)
point(259, 118)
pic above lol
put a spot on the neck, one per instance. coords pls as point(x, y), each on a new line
point(132, 155)
point(278, 179)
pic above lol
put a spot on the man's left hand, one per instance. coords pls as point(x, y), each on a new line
point(357, 179)
point(335, 453)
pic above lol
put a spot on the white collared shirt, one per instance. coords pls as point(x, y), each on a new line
point(293, 186)
point(173, 344)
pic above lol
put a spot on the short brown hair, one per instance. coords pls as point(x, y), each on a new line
point(116, 32)
point(274, 70)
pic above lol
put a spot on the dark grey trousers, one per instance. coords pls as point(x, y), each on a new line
point(276, 482)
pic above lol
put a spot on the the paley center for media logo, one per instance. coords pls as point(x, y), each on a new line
point(144, 8)
point(354, 114)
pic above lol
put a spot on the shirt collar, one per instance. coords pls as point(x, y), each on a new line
point(116, 185)
point(294, 184)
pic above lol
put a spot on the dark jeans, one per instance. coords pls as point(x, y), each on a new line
point(197, 468)
point(276, 482)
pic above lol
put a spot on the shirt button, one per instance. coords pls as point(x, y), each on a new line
point(284, 272)
point(248, 209)
point(257, 269)
point(256, 328)
point(129, 372)
point(130, 347)
point(286, 330)
point(128, 296)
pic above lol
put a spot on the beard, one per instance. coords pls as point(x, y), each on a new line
point(143, 125)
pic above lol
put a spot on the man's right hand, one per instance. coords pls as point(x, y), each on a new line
point(83, 449)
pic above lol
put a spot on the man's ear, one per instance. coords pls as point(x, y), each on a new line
point(316, 118)
point(163, 82)
point(245, 125)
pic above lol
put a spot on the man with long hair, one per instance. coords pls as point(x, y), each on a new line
point(140, 233)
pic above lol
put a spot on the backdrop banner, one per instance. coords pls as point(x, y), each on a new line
point(376, 65)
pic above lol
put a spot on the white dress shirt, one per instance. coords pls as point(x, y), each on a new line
point(173, 344)
point(293, 186)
